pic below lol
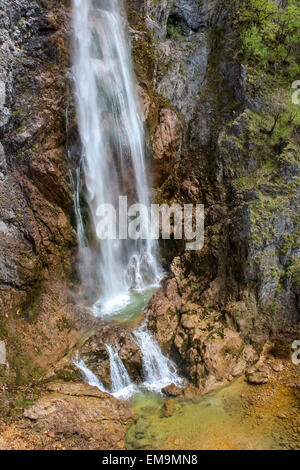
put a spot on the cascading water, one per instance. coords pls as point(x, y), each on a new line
point(113, 156)
point(88, 375)
point(122, 386)
point(159, 371)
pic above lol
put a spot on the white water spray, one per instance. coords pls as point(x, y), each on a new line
point(122, 386)
point(113, 164)
point(113, 156)
point(159, 371)
point(88, 375)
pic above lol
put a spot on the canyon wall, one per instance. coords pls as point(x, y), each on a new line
point(37, 238)
point(208, 120)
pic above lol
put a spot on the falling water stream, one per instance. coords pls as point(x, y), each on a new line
point(159, 371)
point(119, 272)
point(122, 386)
point(88, 375)
point(113, 155)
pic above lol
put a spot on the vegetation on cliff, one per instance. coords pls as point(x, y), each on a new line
point(216, 81)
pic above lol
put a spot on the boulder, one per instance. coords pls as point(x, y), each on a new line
point(168, 408)
point(257, 378)
point(172, 390)
point(83, 411)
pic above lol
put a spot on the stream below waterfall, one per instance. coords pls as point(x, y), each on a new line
point(236, 417)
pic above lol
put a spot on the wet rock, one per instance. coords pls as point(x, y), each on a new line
point(165, 319)
point(36, 234)
point(212, 354)
point(96, 357)
point(141, 427)
point(84, 411)
point(168, 408)
point(172, 390)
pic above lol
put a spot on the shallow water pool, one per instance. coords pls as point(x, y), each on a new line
point(236, 417)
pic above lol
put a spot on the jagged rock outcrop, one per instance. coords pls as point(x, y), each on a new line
point(208, 351)
point(180, 70)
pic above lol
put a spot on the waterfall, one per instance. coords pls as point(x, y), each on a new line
point(76, 200)
point(122, 387)
point(113, 157)
point(88, 375)
point(113, 164)
point(159, 371)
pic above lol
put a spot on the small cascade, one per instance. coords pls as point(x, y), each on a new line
point(76, 197)
point(122, 387)
point(88, 375)
point(159, 371)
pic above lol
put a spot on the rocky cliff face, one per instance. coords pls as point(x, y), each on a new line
point(36, 235)
point(208, 118)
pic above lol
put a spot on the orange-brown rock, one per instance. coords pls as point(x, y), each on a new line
point(167, 142)
point(172, 390)
point(211, 353)
point(82, 411)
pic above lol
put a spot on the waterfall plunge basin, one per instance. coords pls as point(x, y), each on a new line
point(236, 417)
point(125, 307)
